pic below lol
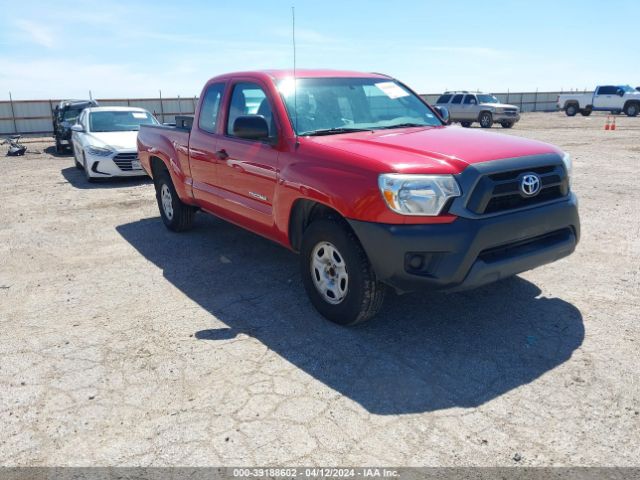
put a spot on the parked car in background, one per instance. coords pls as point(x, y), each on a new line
point(467, 108)
point(65, 115)
point(104, 141)
point(363, 178)
point(608, 98)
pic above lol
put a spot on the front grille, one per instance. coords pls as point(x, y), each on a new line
point(123, 161)
point(500, 192)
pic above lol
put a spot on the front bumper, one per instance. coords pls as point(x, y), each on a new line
point(506, 117)
point(112, 166)
point(468, 253)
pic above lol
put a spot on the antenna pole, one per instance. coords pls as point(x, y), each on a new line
point(295, 86)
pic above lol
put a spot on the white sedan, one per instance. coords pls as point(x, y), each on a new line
point(104, 141)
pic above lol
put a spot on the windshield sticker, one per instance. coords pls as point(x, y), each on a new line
point(139, 115)
point(392, 90)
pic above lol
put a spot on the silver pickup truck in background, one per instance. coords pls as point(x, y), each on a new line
point(468, 107)
point(607, 98)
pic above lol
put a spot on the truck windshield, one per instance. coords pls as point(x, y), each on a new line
point(119, 121)
point(70, 114)
point(487, 99)
point(324, 106)
point(626, 88)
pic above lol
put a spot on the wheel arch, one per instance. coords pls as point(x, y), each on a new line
point(157, 166)
point(303, 213)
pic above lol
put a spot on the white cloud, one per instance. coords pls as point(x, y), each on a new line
point(37, 34)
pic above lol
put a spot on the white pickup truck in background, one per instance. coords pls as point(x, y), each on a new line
point(608, 98)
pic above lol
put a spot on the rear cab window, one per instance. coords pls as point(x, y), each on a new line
point(607, 90)
point(210, 109)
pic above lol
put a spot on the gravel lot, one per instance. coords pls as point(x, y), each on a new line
point(124, 344)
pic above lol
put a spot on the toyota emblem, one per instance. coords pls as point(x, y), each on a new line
point(530, 184)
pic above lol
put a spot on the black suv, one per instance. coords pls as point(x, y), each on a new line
point(65, 115)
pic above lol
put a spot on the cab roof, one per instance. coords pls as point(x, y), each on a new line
point(116, 109)
point(303, 73)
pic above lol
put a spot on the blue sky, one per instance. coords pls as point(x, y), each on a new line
point(63, 49)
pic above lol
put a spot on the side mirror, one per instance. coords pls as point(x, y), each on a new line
point(443, 112)
point(77, 128)
point(621, 93)
point(251, 127)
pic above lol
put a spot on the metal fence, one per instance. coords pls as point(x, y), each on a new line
point(35, 116)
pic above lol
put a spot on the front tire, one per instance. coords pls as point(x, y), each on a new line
point(337, 274)
point(631, 110)
point(76, 162)
point(486, 120)
point(87, 175)
point(176, 215)
point(586, 112)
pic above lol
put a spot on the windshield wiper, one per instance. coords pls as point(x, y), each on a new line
point(405, 125)
point(333, 131)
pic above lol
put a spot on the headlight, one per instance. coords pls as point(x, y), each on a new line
point(417, 194)
point(568, 165)
point(99, 151)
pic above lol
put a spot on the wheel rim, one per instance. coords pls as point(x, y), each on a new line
point(485, 120)
point(167, 204)
point(329, 273)
point(632, 110)
point(571, 109)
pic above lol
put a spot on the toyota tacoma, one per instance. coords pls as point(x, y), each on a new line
point(366, 181)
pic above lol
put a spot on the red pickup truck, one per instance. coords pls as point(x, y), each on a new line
point(366, 181)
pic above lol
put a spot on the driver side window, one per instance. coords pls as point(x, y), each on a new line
point(250, 99)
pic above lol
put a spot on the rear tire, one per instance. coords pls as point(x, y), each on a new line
point(337, 274)
point(176, 215)
point(632, 109)
point(506, 124)
point(485, 119)
point(465, 124)
point(571, 110)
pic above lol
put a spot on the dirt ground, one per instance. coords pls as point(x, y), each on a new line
point(124, 344)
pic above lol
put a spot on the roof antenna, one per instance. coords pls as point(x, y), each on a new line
point(295, 86)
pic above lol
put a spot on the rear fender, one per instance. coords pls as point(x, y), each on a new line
point(173, 157)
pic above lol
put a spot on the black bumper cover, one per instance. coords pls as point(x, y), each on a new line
point(468, 253)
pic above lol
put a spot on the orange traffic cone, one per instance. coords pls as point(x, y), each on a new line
point(613, 125)
point(606, 126)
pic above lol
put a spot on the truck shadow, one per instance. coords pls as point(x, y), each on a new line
point(77, 179)
point(424, 352)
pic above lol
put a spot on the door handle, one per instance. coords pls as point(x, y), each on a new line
point(222, 154)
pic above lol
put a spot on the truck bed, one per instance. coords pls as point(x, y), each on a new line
point(167, 141)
